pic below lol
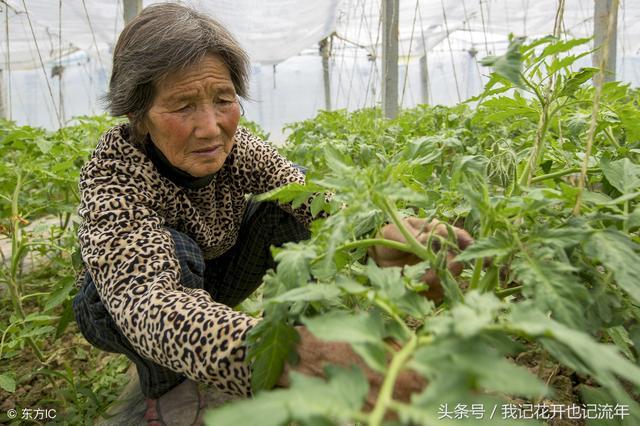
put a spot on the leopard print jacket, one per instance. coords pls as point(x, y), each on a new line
point(125, 206)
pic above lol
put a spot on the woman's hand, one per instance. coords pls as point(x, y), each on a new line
point(314, 354)
point(423, 231)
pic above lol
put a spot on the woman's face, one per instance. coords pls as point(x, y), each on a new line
point(194, 116)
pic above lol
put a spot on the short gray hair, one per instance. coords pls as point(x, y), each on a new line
point(165, 38)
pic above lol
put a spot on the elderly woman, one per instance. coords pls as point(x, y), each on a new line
point(168, 237)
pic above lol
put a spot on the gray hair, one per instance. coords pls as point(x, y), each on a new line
point(163, 39)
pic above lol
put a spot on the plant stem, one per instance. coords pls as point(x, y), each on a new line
point(418, 249)
point(385, 396)
point(508, 291)
point(368, 242)
point(599, 83)
point(385, 307)
point(477, 269)
point(561, 173)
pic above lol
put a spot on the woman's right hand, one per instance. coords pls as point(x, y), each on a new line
point(423, 232)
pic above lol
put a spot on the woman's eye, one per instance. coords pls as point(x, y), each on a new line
point(184, 108)
point(223, 104)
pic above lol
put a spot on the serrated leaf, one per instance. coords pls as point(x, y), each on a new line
point(294, 263)
point(509, 64)
point(349, 384)
point(551, 284)
point(388, 281)
point(634, 218)
point(270, 408)
point(579, 351)
point(38, 331)
point(561, 46)
point(618, 254)
point(622, 174)
point(272, 342)
point(66, 318)
point(341, 326)
point(620, 336)
point(498, 245)
point(309, 293)
point(60, 294)
point(8, 383)
point(317, 205)
point(350, 286)
point(574, 82)
point(374, 355)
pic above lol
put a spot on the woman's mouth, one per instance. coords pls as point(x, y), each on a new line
point(210, 151)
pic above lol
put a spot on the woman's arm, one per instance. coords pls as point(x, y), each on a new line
point(266, 170)
point(132, 260)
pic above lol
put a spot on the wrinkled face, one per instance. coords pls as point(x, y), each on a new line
point(194, 116)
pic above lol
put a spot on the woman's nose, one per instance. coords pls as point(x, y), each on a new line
point(207, 125)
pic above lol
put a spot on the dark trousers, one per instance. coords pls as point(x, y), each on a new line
point(229, 279)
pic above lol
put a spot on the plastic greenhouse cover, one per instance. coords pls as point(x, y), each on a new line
point(274, 30)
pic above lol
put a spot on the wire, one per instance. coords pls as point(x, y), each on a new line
point(375, 71)
point(453, 64)
point(355, 58)
point(484, 28)
point(6, 27)
point(115, 24)
point(93, 34)
point(473, 43)
point(341, 66)
point(60, 71)
point(406, 74)
point(46, 77)
point(426, 62)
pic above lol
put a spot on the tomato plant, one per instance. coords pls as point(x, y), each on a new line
point(542, 276)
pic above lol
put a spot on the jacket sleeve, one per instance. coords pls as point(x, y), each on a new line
point(270, 170)
point(133, 262)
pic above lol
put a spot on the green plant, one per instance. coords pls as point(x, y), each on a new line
point(539, 278)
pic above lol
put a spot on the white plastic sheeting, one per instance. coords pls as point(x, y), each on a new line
point(453, 34)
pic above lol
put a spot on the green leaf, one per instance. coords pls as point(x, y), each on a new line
point(561, 46)
point(634, 218)
point(622, 174)
point(551, 284)
point(270, 407)
point(618, 254)
point(509, 64)
point(61, 293)
point(342, 326)
point(374, 355)
point(38, 331)
point(497, 374)
point(36, 317)
point(579, 351)
point(620, 337)
point(350, 386)
point(388, 281)
point(559, 64)
point(309, 293)
point(294, 263)
point(44, 145)
point(67, 318)
point(498, 245)
point(350, 285)
point(574, 82)
point(271, 342)
point(8, 382)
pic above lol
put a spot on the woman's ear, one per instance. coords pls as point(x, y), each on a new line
point(141, 125)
